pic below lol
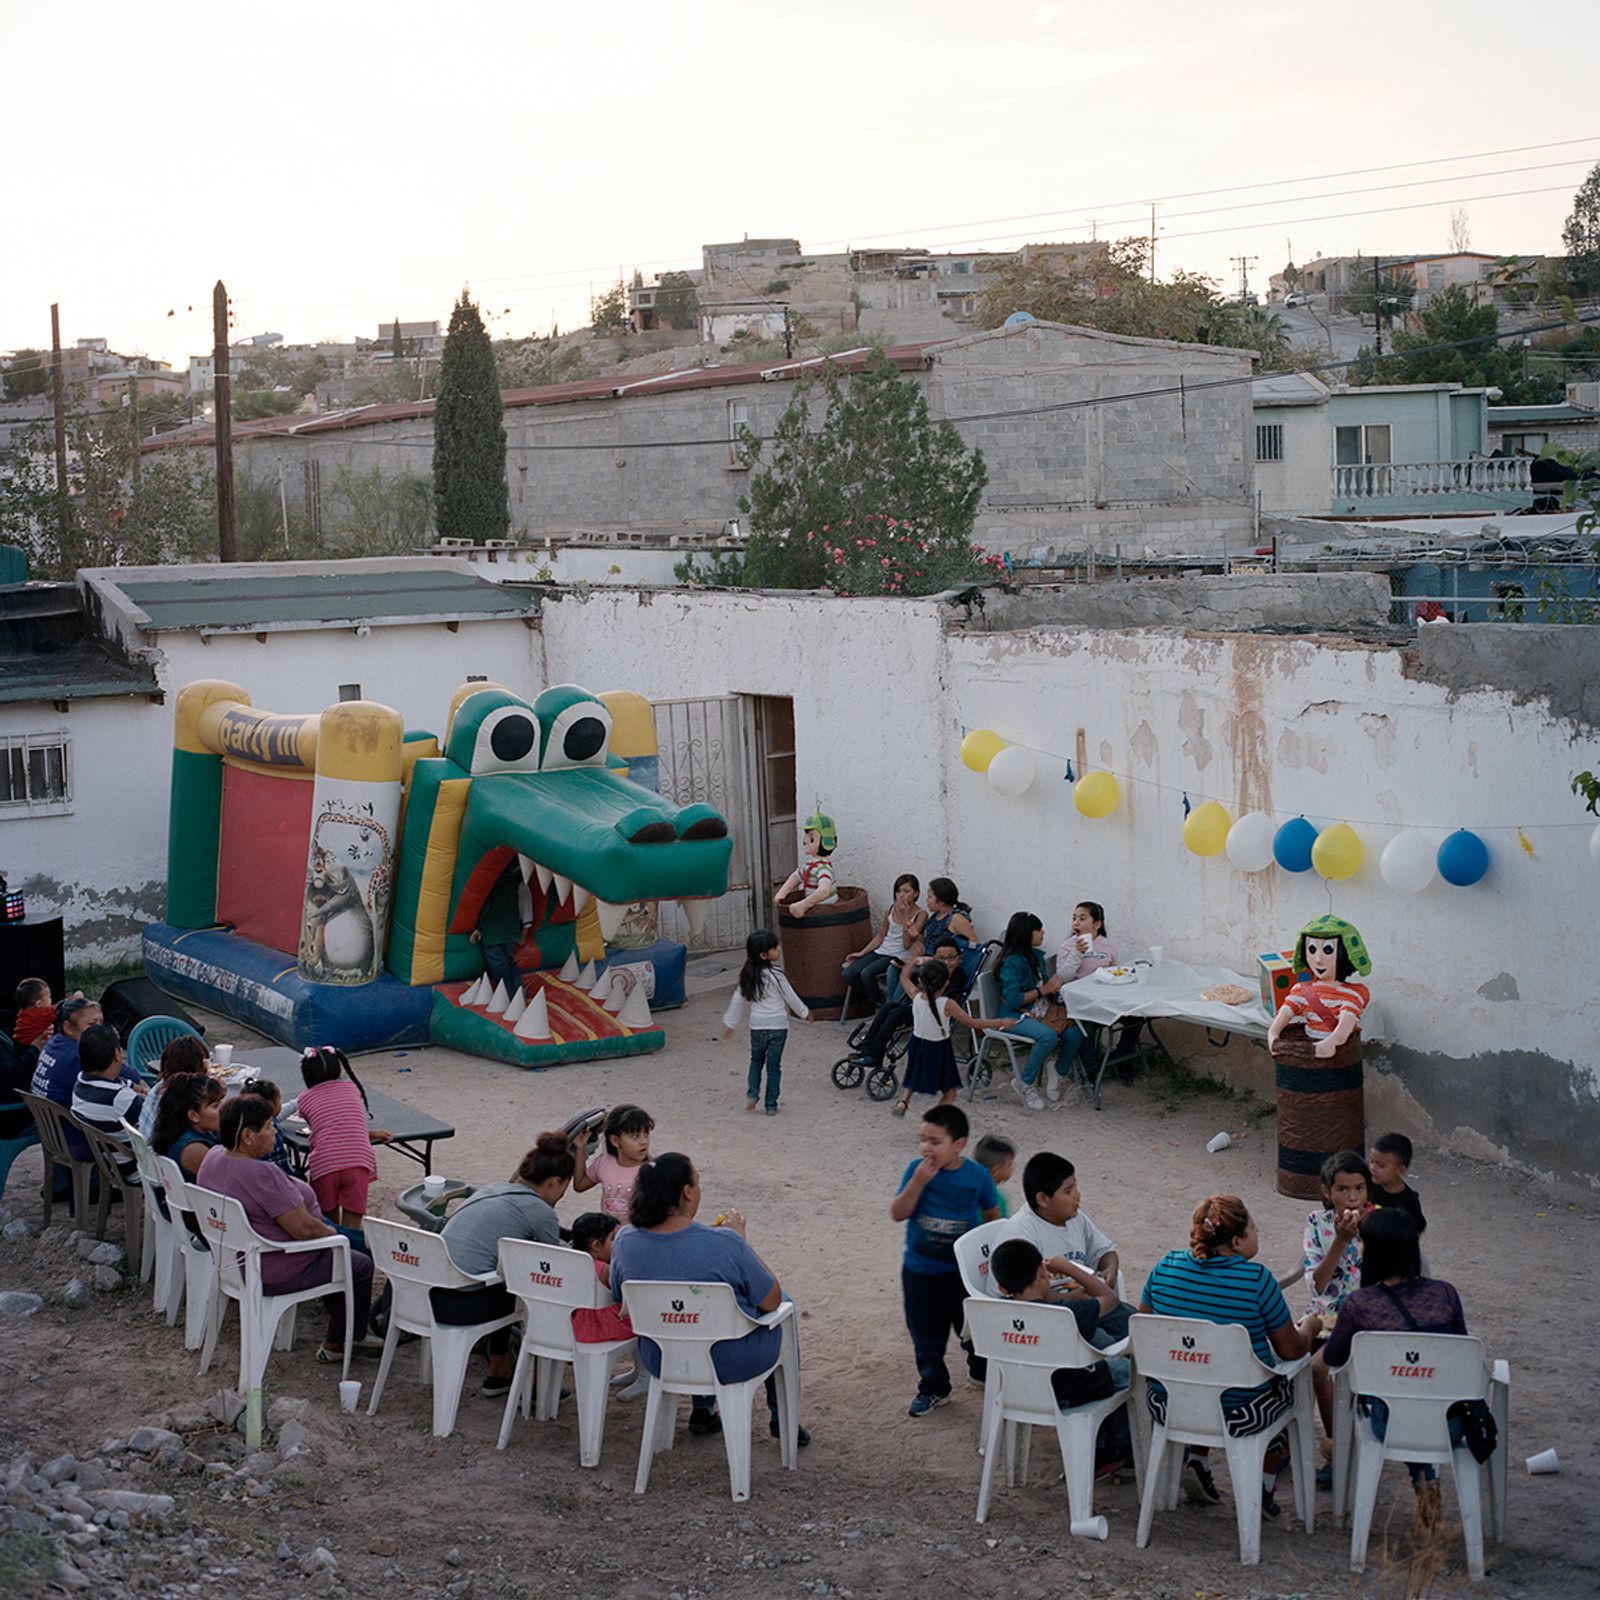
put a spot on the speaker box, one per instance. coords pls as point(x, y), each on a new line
point(134, 999)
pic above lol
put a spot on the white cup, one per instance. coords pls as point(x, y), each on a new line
point(1545, 1461)
point(1218, 1141)
point(1156, 953)
point(433, 1185)
point(1091, 1528)
point(349, 1394)
point(222, 1054)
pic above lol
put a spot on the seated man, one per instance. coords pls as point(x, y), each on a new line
point(895, 1012)
point(1072, 1247)
point(1019, 1272)
point(56, 1070)
point(101, 1097)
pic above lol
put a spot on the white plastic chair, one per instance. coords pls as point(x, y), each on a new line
point(973, 1250)
point(264, 1319)
point(1419, 1376)
point(1024, 1342)
point(415, 1261)
point(161, 1243)
point(686, 1320)
point(193, 1254)
point(552, 1282)
point(1195, 1362)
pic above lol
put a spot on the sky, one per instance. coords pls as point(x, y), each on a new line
point(339, 163)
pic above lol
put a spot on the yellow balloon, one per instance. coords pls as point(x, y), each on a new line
point(1096, 794)
point(1337, 853)
point(1205, 829)
point(980, 747)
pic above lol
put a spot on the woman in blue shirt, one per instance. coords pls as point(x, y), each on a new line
point(1025, 988)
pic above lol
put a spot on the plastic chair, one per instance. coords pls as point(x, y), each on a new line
point(986, 1004)
point(1195, 1362)
point(50, 1123)
point(161, 1242)
point(192, 1253)
point(1024, 1343)
point(658, 1311)
point(1419, 1376)
point(973, 1250)
point(152, 1035)
point(10, 1149)
point(264, 1319)
point(552, 1282)
point(108, 1154)
point(415, 1261)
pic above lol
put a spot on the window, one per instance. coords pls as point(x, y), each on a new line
point(1362, 445)
point(35, 774)
point(738, 417)
point(1269, 441)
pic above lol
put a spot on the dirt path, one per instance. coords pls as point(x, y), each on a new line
point(882, 1505)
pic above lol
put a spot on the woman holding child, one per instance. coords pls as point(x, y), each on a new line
point(666, 1243)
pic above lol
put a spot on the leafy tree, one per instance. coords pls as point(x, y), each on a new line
point(609, 309)
point(1395, 294)
point(379, 515)
point(876, 498)
point(249, 404)
point(27, 373)
point(469, 440)
point(1513, 279)
point(1581, 236)
point(677, 301)
point(529, 363)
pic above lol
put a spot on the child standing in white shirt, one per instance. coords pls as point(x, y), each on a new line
point(766, 995)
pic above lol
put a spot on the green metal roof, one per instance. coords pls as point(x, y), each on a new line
point(276, 600)
point(81, 674)
point(1554, 413)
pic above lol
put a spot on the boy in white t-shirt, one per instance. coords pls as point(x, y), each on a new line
point(1073, 1248)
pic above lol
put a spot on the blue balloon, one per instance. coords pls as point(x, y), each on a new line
point(1291, 845)
point(1463, 858)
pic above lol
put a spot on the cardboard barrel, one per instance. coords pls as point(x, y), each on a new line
point(815, 946)
point(1321, 1109)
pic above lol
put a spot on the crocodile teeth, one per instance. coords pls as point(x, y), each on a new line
point(545, 875)
point(580, 898)
point(563, 887)
point(611, 918)
point(525, 863)
point(695, 912)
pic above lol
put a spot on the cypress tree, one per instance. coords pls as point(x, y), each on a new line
point(470, 499)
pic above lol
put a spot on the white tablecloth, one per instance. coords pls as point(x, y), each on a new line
point(1173, 989)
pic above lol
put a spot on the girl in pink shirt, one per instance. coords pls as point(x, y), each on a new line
point(334, 1107)
point(626, 1133)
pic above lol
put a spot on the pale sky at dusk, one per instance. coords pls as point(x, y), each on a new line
point(341, 162)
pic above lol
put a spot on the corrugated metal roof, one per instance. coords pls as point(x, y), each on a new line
point(905, 357)
point(267, 600)
point(1556, 413)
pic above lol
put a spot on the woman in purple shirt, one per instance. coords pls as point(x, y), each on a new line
point(278, 1206)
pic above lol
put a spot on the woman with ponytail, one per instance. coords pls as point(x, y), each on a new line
point(1218, 1279)
point(665, 1243)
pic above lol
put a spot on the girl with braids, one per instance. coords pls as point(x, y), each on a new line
point(186, 1126)
point(1218, 1279)
point(665, 1243)
point(931, 1060)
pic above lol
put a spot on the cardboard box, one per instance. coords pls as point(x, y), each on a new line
point(1277, 978)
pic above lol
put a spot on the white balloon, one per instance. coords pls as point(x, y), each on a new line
point(1249, 844)
point(1012, 771)
point(1409, 862)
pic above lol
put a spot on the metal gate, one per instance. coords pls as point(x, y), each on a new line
point(703, 758)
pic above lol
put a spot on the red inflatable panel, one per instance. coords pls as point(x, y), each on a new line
point(261, 877)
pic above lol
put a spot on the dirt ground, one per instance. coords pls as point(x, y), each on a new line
point(881, 1504)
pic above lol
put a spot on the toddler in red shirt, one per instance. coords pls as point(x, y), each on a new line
point(36, 1013)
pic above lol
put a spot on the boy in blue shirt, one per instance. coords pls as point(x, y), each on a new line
point(941, 1196)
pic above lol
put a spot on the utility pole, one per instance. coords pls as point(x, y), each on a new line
point(1244, 264)
point(222, 412)
point(1152, 241)
point(1377, 309)
point(788, 334)
point(58, 394)
point(133, 425)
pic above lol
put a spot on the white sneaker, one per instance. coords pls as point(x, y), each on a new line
point(1027, 1094)
point(1052, 1084)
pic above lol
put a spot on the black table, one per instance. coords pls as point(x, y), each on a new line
point(412, 1132)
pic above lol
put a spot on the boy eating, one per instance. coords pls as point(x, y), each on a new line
point(941, 1196)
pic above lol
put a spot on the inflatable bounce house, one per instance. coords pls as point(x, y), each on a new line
point(330, 878)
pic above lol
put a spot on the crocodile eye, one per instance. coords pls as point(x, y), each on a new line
point(513, 738)
point(586, 736)
point(578, 736)
point(508, 741)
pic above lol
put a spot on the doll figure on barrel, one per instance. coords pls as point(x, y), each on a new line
point(1323, 1009)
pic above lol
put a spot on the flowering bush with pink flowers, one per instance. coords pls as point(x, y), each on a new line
point(872, 498)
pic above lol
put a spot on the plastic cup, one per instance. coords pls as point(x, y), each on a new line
point(1156, 953)
point(1545, 1461)
point(1091, 1528)
point(1218, 1141)
point(433, 1185)
point(349, 1394)
point(222, 1054)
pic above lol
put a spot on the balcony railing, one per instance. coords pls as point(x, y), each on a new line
point(1392, 479)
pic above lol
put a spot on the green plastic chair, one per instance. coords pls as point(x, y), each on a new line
point(150, 1037)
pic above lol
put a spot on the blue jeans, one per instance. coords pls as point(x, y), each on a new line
point(866, 976)
point(1046, 1043)
point(499, 961)
point(766, 1050)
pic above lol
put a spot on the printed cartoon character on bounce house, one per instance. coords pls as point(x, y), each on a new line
point(326, 874)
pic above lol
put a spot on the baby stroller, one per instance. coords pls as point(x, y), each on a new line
point(882, 1078)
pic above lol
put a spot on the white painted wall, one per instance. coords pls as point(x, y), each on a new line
point(1302, 483)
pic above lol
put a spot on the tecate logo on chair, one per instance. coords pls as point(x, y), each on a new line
point(546, 1278)
point(677, 1314)
point(1189, 1353)
point(1412, 1371)
point(1021, 1335)
point(402, 1254)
